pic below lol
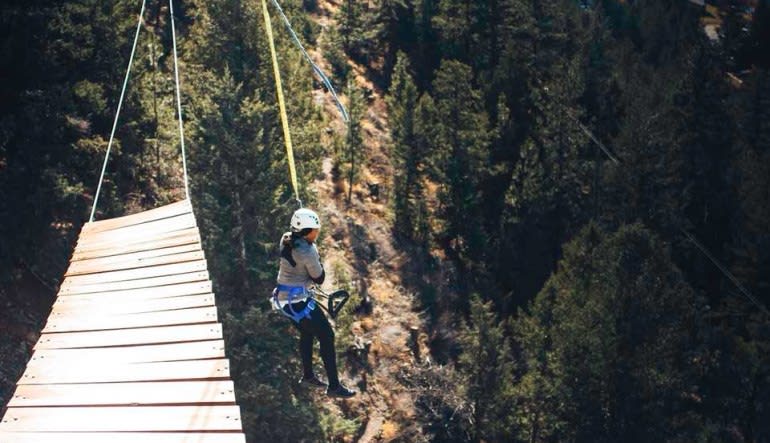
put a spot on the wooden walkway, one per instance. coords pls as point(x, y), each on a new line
point(132, 350)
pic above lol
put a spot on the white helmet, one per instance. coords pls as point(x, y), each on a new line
point(304, 218)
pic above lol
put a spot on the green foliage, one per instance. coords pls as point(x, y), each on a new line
point(336, 427)
point(486, 364)
point(349, 158)
point(342, 324)
point(752, 238)
point(335, 54)
point(459, 155)
point(53, 134)
point(495, 182)
point(359, 30)
point(609, 339)
point(408, 157)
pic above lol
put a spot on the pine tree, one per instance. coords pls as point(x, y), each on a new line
point(704, 129)
point(752, 152)
point(665, 31)
point(473, 32)
point(402, 101)
point(538, 415)
point(606, 343)
point(426, 56)
point(396, 20)
point(460, 152)
point(334, 52)
point(545, 199)
point(353, 152)
point(487, 367)
point(456, 22)
point(426, 128)
point(359, 30)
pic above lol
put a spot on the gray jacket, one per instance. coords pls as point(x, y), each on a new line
point(306, 269)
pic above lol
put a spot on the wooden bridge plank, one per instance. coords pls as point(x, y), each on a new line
point(157, 224)
point(155, 292)
point(127, 354)
point(136, 263)
point(125, 261)
point(121, 418)
point(68, 371)
point(145, 230)
point(135, 284)
point(170, 210)
point(108, 244)
point(124, 321)
point(135, 274)
point(125, 337)
point(128, 394)
point(169, 224)
point(113, 249)
point(129, 306)
point(121, 437)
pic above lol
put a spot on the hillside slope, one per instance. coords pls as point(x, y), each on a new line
point(359, 243)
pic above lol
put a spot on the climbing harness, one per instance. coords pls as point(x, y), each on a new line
point(334, 301)
point(292, 293)
point(120, 105)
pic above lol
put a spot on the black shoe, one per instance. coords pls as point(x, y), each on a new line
point(340, 391)
point(312, 381)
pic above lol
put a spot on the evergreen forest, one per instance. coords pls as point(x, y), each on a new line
point(553, 216)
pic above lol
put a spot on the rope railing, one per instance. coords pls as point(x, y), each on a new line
point(117, 113)
point(179, 100)
point(178, 97)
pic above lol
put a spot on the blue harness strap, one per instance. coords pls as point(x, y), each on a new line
point(292, 292)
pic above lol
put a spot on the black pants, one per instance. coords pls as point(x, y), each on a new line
point(316, 326)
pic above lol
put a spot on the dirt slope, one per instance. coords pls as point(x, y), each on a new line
point(358, 240)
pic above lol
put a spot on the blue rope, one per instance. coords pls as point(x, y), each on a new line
point(317, 70)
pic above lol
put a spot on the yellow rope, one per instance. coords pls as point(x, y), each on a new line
point(281, 104)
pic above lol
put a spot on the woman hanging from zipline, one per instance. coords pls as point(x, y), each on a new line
point(300, 268)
